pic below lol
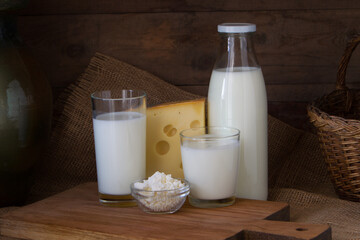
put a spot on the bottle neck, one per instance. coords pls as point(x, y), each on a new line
point(236, 51)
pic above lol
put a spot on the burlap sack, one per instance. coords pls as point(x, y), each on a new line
point(297, 173)
point(70, 158)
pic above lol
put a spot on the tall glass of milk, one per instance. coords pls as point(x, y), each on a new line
point(210, 157)
point(237, 98)
point(119, 120)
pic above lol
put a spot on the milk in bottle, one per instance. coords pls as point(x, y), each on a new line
point(237, 98)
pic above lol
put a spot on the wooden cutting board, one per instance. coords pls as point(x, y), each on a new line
point(77, 214)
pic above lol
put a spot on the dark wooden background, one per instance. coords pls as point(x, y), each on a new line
point(298, 43)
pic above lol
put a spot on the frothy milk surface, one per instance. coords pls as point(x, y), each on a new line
point(120, 140)
point(210, 168)
point(238, 99)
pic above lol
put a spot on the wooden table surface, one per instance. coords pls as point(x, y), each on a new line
point(77, 214)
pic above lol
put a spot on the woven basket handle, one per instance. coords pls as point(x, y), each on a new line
point(341, 74)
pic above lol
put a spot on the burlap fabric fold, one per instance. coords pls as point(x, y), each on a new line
point(297, 173)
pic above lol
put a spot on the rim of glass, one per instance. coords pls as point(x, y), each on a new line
point(237, 133)
point(141, 94)
point(184, 188)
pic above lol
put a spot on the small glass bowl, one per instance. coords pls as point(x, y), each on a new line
point(160, 202)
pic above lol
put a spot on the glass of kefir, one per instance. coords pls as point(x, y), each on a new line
point(119, 120)
point(210, 158)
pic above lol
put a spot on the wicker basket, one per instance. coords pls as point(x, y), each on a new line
point(336, 117)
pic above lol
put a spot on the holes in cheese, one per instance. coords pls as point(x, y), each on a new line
point(169, 130)
point(164, 123)
point(195, 124)
point(162, 147)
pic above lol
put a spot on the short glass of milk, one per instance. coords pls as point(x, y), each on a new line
point(119, 120)
point(210, 158)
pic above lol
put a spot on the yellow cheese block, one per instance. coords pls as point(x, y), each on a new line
point(163, 125)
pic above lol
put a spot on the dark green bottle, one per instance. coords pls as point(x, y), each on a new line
point(25, 114)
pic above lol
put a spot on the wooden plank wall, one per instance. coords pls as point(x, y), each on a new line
point(298, 43)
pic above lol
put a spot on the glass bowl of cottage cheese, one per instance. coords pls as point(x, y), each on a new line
point(160, 193)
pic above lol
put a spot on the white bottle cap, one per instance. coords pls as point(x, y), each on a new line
point(236, 27)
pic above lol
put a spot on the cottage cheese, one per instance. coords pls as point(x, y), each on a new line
point(159, 181)
point(154, 195)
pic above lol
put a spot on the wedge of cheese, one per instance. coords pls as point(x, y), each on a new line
point(163, 125)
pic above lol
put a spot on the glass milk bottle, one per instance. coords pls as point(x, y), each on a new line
point(237, 98)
